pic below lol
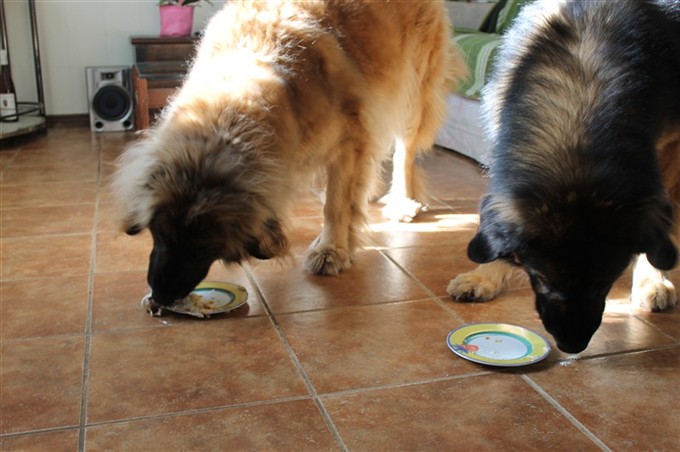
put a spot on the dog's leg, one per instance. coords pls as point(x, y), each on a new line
point(424, 113)
point(483, 283)
point(349, 181)
point(400, 202)
point(325, 258)
point(651, 289)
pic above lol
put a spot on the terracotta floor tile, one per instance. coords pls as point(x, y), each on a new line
point(118, 252)
point(116, 302)
point(513, 306)
point(196, 365)
point(623, 332)
point(45, 256)
point(667, 321)
point(111, 152)
point(464, 206)
point(43, 307)
point(53, 172)
point(7, 155)
point(60, 441)
point(629, 401)
point(487, 412)
point(433, 266)
point(62, 137)
point(436, 227)
point(65, 155)
point(117, 296)
point(288, 287)
point(106, 196)
point(107, 217)
point(295, 425)
point(355, 347)
point(450, 175)
point(41, 383)
point(116, 140)
point(64, 219)
point(51, 194)
point(108, 169)
point(457, 187)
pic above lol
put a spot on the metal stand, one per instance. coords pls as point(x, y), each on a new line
point(31, 114)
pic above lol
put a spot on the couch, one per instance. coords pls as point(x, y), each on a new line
point(463, 130)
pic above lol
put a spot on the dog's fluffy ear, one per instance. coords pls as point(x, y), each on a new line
point(132, 193)
point(481, 250)
point(496, 236)
point(662, 254)
point(273, 243)
point(132, 228)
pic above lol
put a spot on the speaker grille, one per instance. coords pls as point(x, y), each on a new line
point(111, 102)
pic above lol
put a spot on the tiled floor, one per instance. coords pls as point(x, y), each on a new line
point(356, 362)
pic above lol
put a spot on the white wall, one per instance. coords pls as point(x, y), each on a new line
point(75, 34)
point(468, 14)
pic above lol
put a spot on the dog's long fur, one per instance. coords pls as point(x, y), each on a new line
point(280, 91)
point(584, 114)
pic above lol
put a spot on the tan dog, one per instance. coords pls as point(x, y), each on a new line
point(278, 93)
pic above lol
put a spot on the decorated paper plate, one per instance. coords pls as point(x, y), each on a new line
point(206, 299)
point(498, 344)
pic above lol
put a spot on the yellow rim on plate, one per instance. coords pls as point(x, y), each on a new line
point(498, 344)
point(238, 295)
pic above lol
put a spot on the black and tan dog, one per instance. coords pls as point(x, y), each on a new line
point(584, 114)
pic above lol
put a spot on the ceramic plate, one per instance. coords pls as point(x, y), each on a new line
point(206, 299)
point(498, 344)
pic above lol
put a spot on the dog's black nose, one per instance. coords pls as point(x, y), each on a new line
point(162, 300)
point(572, 347)
point(164, 297)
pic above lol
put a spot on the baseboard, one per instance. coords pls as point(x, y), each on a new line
point(79, 120)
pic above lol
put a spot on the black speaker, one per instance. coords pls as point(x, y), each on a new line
point(109, 97)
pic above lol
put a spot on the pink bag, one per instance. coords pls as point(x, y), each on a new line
point(176, 20)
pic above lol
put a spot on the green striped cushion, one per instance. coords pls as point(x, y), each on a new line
point(479, 50)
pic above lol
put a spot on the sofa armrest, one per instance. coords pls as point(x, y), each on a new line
point(479, 50)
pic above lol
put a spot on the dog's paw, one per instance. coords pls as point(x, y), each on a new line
point(474, 287)
point(327, 260)
point(400, 208)
point(654, 294)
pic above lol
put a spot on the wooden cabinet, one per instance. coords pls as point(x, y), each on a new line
point(160, 67)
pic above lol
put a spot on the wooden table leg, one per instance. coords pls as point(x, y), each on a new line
point(141, 100)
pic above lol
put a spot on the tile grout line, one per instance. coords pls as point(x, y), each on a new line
point(39, 431)
point(87, 348)
point(625, 352)
point(562, 410)
point(7, 165)
point(195, 411)
point(655, 327)
point(426, 381)
point(431, 295)
point(296, 362)
point(335, 308)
